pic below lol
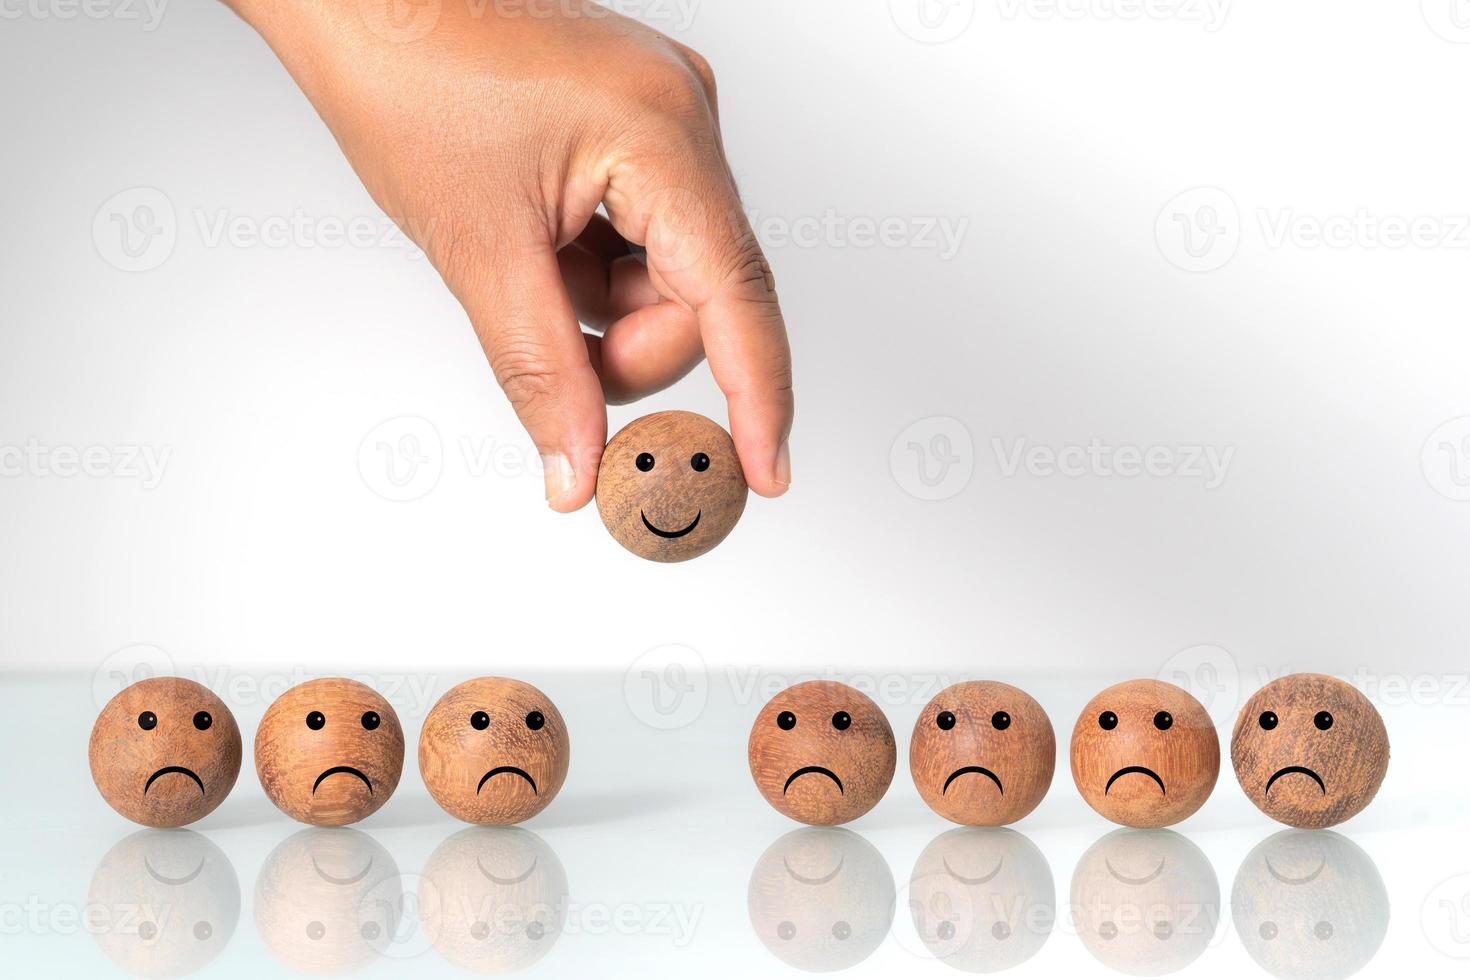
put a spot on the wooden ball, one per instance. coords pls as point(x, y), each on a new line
point(670, 486)
point(329, 751)
point(1145, 754)
point(982, 753)
point(1309, 750)
point(822, 753)
point(494, 751)
point(165, 752)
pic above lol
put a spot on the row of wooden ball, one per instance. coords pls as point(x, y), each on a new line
point(1309, 750)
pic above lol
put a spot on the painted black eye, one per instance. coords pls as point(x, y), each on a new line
point(202, 720)
point(1323, 721)
point(535, 720)
point(1000, 720)
point(841, 721)
point(1107, 721)
point(1322, 930)
point(785, 721)
point(479, 721)
point(644, 461)
point(841, 931)
point(1163, 721)
point(315, 721)
point(370, 720)
point(945, 720)
point(1269, 720)
point(147, 721)
point(786, 930)
point(699, 462)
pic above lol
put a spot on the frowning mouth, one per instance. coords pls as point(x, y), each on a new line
point(506, 881)
point(1288, 879)
point(981, 770)
point(333, 880)
point(804, 770)
point(1126, 880)
point(347, 769)
point(511, 770)
point(802, 879)
point(166, 880)
point(1143, 770)
point(178, 769)
point(973, 881)
point(671, 534)
point(1291, 769)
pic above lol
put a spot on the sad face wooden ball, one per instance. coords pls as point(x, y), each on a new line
point(165, 752)
point(982, 753)
point(494, 751)
point(1145, 754)
point(329, 751)
point(670, 486)
point(822, 753)
point(1309, 750)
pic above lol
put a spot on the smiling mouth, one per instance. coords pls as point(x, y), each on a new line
point(671, 534)
point(802, 879)
point(973, 881)
point(347, 769)
point(1126, 880)
point(1291, 769)
point(1144, 770)
point(333, 880)
point(512, 770)
point(1288, 879)
point(814, 769)
point(166, 880)
point(506, 881)
point(179, 769)
point(975, 769)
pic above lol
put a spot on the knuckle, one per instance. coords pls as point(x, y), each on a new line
point(525, 373)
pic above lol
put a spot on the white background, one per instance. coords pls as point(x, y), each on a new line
point(1076, 154)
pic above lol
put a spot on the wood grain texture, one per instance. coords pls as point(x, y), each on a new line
point(1349, 756)
point(522, 731)
point(1185, 756)
point(986, 725)
point(150, 727)
point(861, 757)
point(671, 495)
point(296, 762)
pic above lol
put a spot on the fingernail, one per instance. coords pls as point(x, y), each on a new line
point(561, 479)
point(783, 465)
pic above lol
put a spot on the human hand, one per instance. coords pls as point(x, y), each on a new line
point(491, 140)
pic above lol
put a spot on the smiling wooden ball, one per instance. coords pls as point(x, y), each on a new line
point(822, 753)
point(1145, 754)
point(494, 751)
point(1309, 750)
point(165, 751)
point(670, 486)
point(982, 753)
point(329, 751)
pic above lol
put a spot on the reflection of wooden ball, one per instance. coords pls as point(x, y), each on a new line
point(494, 751)
point(670, 486)
point(1309, 750)
point(821, 899)
point(493, 899)
point(165, 752)
point(822, 752)
point(982, 753)
point(329, 751)
point(1145, 754)
point(329, 902)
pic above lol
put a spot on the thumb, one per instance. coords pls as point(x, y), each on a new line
point(524, 319)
